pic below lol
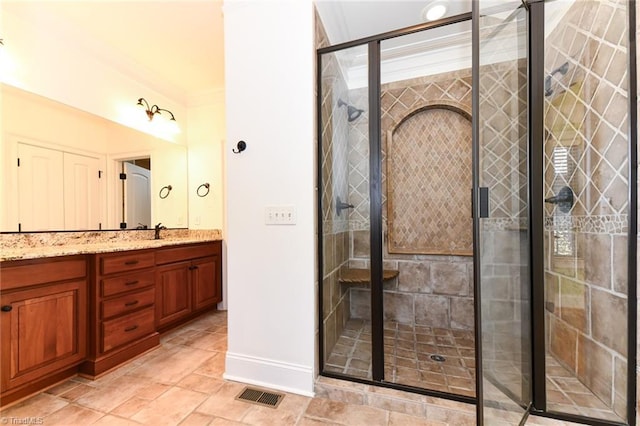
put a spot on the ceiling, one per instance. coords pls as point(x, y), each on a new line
point(349, 20)
point(177, 47)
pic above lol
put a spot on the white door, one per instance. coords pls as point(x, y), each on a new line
point(137, 196)
point(40, 188)
point(81, 192)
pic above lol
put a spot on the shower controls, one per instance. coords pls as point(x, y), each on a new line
point(564, 199)
point(341, 205)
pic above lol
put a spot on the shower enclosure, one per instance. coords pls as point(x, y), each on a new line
point(477, 210)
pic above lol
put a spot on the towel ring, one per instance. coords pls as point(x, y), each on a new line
point(206, 187)
point(164, 191)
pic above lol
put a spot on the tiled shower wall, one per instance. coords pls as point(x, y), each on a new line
point(432, 290)
point(586, 126)
point(335, 246)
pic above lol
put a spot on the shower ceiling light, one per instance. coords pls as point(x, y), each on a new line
point(434, 10)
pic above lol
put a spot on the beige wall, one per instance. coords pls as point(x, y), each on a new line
point(40, 121)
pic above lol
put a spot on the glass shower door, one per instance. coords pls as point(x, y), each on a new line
point(502, 223)
point(345, 209)
point(586, 187)
point(426, 146)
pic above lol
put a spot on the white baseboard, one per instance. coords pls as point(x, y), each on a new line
point(270, 374)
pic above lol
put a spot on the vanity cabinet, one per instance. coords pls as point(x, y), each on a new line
point(188, 281)
point(89, 313)
point(43, 322)
point(123, 318)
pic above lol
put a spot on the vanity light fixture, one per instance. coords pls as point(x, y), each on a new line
point(155, 109)
point(434, 10)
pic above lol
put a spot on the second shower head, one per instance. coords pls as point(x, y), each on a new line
point(352, 112)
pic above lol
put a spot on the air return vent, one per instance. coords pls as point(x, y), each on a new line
point(256, 396)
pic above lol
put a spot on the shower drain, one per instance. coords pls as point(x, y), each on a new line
point(438, 358)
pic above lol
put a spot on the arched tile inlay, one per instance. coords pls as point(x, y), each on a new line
point(429, 183)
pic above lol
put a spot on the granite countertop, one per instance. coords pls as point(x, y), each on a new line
point(34, 246)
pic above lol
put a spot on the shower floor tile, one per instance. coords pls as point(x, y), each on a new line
point(408, 351)
point(566, 394)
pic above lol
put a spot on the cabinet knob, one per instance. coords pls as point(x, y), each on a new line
point(6, 308)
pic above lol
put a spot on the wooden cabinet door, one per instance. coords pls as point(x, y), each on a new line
point(43, 330)
point(173, 292)
point(205, 281)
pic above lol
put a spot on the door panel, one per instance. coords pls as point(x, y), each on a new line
point(204, 282)
point(50, 323)
point(81, 192)
point(137, 197)
point(426, 149)
point(173, 292)
point(40, 188)
point(503, 257)
point(345, 201)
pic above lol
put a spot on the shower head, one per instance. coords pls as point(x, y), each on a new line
point(352, 112)
point(562, 70)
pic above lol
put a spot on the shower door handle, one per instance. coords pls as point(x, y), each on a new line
point(483, 199)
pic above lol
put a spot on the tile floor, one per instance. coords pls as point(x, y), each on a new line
point(180, 383)
point(566, 394)
point(408, 350)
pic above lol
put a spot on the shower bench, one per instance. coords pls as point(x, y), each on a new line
point(361, 277)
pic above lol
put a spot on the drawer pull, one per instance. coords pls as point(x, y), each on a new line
point(128, 329)
point(132, 282)
point(6, 308)
point(135, 302)
point(131, 262)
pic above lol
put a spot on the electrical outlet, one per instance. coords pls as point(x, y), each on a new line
point(280, 215)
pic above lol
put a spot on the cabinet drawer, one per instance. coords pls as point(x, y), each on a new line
point(112, 286)
point(127, 303)
point(177, 254)
point(126, 262)
point(32, 272)
point(125, 329)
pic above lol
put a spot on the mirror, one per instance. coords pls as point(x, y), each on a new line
point(61, 169)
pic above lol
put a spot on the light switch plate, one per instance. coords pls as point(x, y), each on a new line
point(280, 215)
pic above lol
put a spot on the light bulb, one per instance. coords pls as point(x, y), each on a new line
point(434, 11)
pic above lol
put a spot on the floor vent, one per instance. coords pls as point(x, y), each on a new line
point(256, 396)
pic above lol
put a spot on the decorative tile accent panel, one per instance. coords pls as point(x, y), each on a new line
point(607, 224)
point(428, 180)
point(398, 100)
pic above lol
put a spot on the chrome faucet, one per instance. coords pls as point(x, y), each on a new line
point(157, 229)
